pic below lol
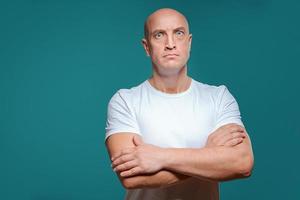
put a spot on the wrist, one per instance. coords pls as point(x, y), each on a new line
point(167, 156)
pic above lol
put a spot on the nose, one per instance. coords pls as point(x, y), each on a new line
point(170, 43)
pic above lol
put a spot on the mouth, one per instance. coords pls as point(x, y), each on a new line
point(171, 55)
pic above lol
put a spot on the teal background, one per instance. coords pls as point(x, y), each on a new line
point(61, 61)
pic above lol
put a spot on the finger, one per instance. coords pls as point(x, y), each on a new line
point(122, 152)
point(232, 127)
point(122, 159)
point(231, 136)
point(222, 138)
point(227, 129)
point(234, 142)
point(137, 140)
point(235, 128)
point(132, 172)
point(125, 166)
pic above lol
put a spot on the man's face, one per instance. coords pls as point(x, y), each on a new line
point(168, 42)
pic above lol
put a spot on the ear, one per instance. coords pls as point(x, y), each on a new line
point(190, 42)
point(146, 46)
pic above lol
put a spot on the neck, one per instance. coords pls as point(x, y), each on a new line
point(175, 83)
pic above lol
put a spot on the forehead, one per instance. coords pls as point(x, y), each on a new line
point(166, 21)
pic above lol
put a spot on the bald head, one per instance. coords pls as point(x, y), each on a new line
point(160, 14)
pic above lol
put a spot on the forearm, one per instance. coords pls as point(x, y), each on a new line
point(215, 163)
point(162, 178)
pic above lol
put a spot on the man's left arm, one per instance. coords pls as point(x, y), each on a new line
point(217, 163)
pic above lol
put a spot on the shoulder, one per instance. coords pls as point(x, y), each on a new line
point(127, 95)
point(214, 91)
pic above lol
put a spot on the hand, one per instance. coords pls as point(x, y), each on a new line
point(227, 135)
point(141, 159)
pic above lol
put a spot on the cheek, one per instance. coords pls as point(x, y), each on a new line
point(156, 52)
point(185, 50)
point(184, 45)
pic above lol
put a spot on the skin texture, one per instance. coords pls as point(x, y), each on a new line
point(227, 154)
point(168, 45)
point(230, 158)
point(117, 143)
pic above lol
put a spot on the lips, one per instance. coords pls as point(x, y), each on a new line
point(171, 55)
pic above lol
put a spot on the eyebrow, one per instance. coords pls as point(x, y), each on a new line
point(179, 28)
point(161, 30)
point(157, 31)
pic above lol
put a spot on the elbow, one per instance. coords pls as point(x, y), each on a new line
point(245, 166)
point(127, 184)
point(130, 183)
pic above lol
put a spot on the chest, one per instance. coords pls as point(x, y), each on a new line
point(176, 123)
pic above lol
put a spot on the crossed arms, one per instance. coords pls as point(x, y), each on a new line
point(227, 155)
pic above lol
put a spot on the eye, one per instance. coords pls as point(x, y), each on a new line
point(179, 33)
point(158, 35)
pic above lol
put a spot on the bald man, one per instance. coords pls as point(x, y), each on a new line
point(172, 137)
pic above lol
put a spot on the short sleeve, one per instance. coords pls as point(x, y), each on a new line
point(227, 109)
point(120, 116)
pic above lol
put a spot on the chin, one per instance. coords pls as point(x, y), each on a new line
point(170, 70)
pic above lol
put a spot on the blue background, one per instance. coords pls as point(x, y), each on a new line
point(61, 61)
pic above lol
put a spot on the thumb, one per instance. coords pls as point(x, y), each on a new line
point(137, 140)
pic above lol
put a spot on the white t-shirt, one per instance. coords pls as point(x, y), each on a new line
point(182, 120)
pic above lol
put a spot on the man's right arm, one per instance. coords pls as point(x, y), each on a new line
point(117, 142)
